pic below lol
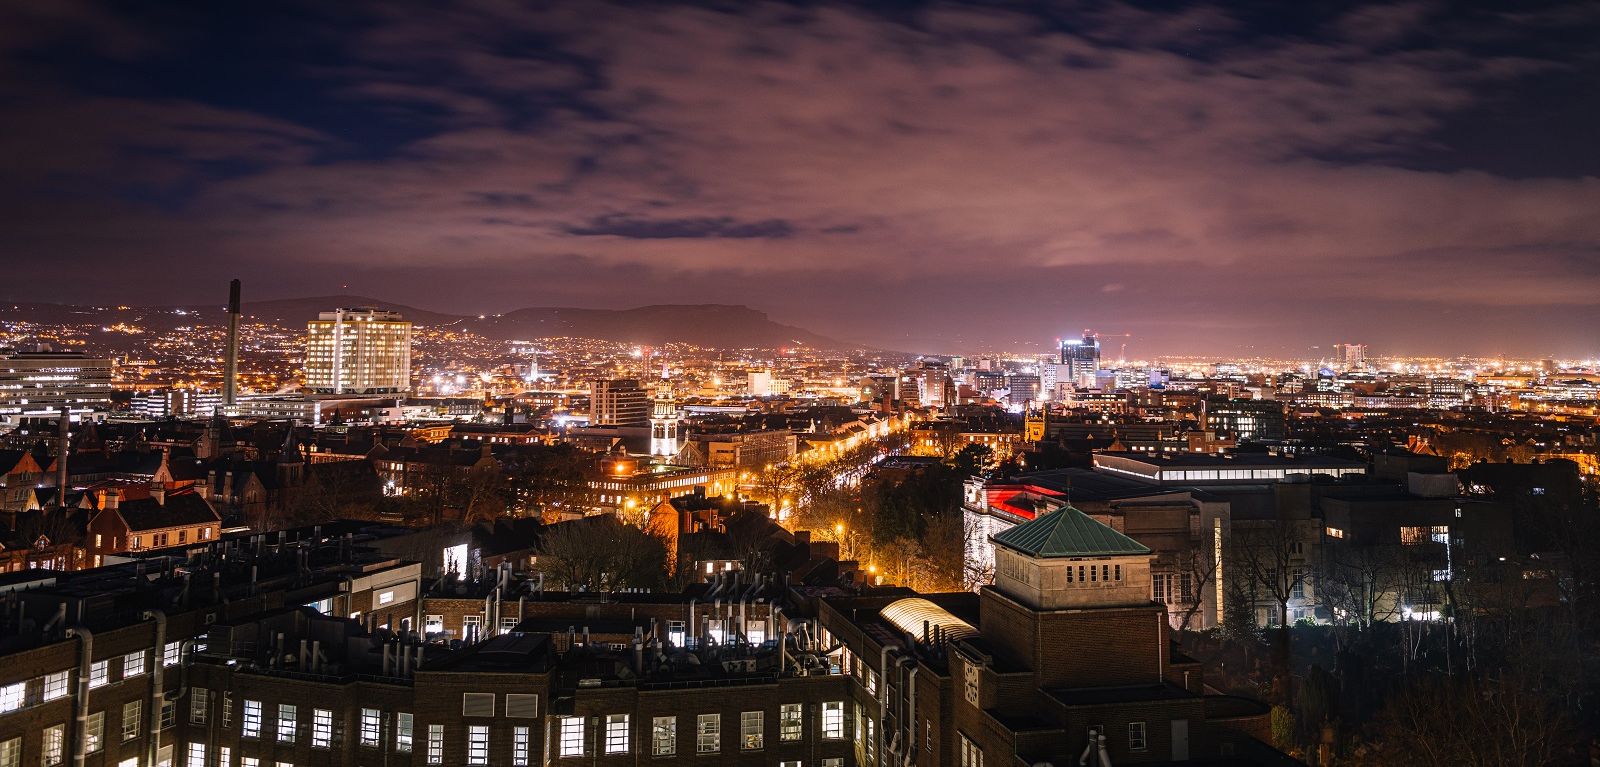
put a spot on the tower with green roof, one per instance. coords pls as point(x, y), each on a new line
point(1066, 559)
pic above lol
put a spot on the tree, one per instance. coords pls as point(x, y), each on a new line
point(1496, 721)
point(1269, 555)
point(1364, 584)
point(973, 460)
point(601, 553)
point(1196, 566)
point(542, 475)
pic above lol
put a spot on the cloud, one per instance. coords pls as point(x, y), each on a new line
point(1154, 163)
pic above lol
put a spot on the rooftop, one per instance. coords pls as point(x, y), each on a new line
point(1068, 533)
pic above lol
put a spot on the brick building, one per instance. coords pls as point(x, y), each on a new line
point(1065, 655)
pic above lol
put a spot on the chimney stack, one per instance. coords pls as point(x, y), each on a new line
point(63, 450)
point(230, 372)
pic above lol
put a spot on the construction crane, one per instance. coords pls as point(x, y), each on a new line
point(1121, 355)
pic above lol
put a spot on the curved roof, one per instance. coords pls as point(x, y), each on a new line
point(909, 613)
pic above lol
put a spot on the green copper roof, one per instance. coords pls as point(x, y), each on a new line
point(1067, 533)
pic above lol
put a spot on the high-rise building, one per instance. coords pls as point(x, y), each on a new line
point(934, 389)
point(758, 383)
point(1351, 356)
point(618, 402)
point(1023, 387)
point(39, 383)
point(358, 351)
point(1082, 358)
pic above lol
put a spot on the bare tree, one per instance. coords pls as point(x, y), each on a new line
point(1472, 722)
point(1270, 556)
point(1196, 567)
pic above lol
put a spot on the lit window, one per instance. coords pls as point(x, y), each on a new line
point(833, 720)
point(519, 746)
point(616, 733)
point(790, 722)
point(251, 728)
point(53, 746)
point(197, 754)
point(402, 732)
point(321, 728)
point(752, 730)
point(130, 720)
point(971, 755)
point(371, 720)
point(435, 744)
point(572, 736)
point(55, 685)
point(171, 653)
point(94, 732)
point(708, 733)
point(99, 674)
point(664, 736)
point(287, 721)
point(133, 664)
point(478, 744)
point(199, 703)
point(11, 753)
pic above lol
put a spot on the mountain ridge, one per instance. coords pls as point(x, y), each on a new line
point(726, 326)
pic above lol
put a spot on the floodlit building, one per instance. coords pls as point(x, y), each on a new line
point(1081, 356)
point(39, 383)
point(618, 402)
point(358, 351)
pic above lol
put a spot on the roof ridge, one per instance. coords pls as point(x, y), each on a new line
point(1068, 532)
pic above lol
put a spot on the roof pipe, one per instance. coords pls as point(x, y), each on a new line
point(80, 737)
point(157, 680)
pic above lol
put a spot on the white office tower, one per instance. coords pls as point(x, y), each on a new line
point(358, 351)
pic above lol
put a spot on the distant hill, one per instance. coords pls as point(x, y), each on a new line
point(295, 312)
point(718, 325)
point(722, 326)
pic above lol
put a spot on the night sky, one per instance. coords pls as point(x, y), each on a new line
point(1423, 177)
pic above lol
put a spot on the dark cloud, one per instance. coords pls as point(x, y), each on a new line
point(946, 176)
point(667, 229)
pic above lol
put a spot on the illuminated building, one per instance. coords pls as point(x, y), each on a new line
point(1260, 419)
point(1024, 388)
point(758, 383)
point(618, 402)
point(176, 403)
point(358, 351)
point(664, 423)
point(1204, 468)
point(1351, 356)
point(40, 383)
point(934, 389)
point(1082, 358)
point(1065, 654)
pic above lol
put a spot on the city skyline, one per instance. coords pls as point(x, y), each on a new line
point(1210, 181)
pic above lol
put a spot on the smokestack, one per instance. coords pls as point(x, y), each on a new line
point(230, 372)
point(63, 449)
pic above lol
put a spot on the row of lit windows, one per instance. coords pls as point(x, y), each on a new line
point(573, 738)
